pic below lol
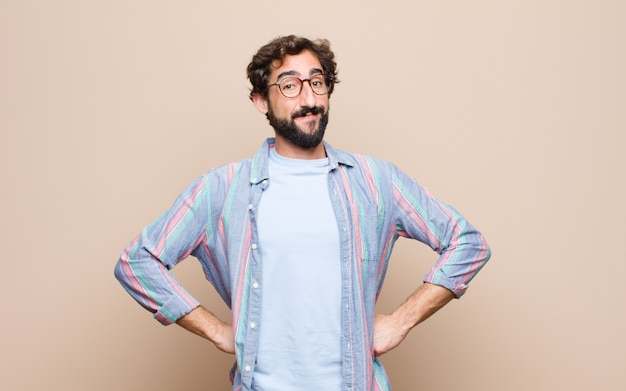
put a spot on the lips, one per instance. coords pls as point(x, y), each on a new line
point(308, 112)
point(308, 115)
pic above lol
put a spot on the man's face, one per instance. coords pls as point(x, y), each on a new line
point(301, 121)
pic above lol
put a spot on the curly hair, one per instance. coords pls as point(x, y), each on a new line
point(263, 61)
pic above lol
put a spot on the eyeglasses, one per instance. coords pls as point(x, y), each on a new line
point(291, 87)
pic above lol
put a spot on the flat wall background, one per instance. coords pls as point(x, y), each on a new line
point(513, 111)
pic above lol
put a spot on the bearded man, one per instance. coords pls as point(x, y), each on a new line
point(296, 241)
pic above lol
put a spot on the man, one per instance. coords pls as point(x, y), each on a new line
point(296, 241)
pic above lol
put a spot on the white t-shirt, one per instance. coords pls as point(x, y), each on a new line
point(300, 328)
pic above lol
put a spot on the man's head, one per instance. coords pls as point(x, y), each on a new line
point(292, 79)
point(271, 55)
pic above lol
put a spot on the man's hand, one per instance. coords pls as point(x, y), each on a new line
point(203, 323)
point(390, 330)
point(225, 338)
point(388, 334)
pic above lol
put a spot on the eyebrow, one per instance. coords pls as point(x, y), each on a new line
point(312, 72)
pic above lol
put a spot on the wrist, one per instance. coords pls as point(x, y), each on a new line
point(402, 321)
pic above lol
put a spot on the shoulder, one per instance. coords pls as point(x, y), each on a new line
point(221, 178)
point(230, 169)
point(366, 163)
point(374, 171)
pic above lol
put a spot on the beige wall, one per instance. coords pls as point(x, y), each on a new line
point(513, 111)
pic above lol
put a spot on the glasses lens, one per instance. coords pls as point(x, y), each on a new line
point(318, 84)
point(290, 87)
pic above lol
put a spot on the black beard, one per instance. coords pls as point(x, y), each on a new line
point(290, 131)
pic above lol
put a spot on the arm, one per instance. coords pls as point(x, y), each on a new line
point(462, 249)
point(144, 266)
point(390, 330)
point(203, 323)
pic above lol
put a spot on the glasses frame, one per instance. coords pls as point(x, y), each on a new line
point(327, 81)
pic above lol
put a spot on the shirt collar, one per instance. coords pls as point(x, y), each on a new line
point(260, 162)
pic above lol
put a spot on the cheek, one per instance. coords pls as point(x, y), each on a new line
point(287, 109)
point(323, 101)
point(282, 107)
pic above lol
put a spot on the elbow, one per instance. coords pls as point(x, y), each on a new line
point(123, 270)
point(118, 271)
point(486, 250)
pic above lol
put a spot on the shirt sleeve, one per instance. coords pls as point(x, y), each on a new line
point(144, 266)
point(462, 249)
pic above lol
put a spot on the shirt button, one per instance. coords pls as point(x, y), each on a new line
point(252, 325)
point(250, 206)
point(264, 182)
point(255, 285)
point(254, 246)
point(247, 368)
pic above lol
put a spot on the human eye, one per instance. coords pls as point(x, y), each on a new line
point(318, 81)
point(289, 84)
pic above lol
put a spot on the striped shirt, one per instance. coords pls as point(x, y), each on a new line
point(215, 220)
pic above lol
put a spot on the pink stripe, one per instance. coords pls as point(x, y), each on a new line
point(247, 239)
point(475, 265)
point(131, 276)
point(151, 303)
point(381, 263)
point(415, 217)
point(355, 215)
point(214, 262)
point(174, 222)
point(369, 176)
point(177, 288)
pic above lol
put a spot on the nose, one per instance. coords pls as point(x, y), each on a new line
point(307, 96)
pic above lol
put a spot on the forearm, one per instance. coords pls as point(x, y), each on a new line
point(203, 323)
point(424, 302)
point(390, 330)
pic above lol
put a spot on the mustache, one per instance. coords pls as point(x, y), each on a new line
point(308, 110)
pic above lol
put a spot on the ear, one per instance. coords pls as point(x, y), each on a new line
point(260, 103)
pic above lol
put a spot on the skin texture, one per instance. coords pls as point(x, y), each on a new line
point(203, 323)
point(389, 330)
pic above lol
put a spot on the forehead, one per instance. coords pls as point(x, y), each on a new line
point(302, 64)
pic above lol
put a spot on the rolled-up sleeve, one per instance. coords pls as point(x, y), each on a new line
point(462, 249)
point(144, 266)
